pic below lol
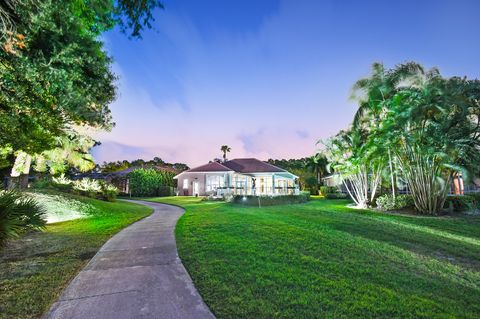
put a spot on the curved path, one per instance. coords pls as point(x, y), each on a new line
point(136, 274)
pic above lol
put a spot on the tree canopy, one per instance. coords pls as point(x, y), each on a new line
point(108, 167)
point(54, 71)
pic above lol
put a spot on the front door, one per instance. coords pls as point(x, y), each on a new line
point(195, 188)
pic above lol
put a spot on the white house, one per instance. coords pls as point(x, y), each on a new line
point(241, 176)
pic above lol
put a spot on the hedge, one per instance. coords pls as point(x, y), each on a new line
point(150, 182)
point(251, 200)
point(328, 190)
point(336, 196)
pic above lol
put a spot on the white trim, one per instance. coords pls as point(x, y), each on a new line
point(213, 172)
point(246, 174)
point(281, 174)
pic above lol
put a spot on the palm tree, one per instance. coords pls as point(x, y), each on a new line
point(317, 164)
point(352, 158)
point(374, 95)
point(225, 149)
point(431, 127)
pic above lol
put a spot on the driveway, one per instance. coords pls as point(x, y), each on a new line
point(136, 274)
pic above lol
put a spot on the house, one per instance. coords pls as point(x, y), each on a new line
point(241, 176)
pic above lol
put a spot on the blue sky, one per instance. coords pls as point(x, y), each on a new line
point(268, 78)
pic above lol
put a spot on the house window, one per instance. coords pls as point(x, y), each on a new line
point(240, 184)
point(214, 182)
point(185, 183)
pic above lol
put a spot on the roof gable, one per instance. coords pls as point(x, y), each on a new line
point(251, 165)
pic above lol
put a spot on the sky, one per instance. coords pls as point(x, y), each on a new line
point(269, 78)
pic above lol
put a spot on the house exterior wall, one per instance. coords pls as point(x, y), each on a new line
point(237, 184)
point(190, 178)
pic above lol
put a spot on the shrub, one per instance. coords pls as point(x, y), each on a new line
point(42, 183)
point(386, 202)
point(251, 200)
point(88, 187)
point(328, 190)
point(61, 180)
point(476, 197)
point(336, 196)
point(62, 183)
point(150, 182)
point(109, 192)
point(18, 214)
point(306, 194)
point(460, 203)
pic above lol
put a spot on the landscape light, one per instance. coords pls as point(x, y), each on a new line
point(244, 198)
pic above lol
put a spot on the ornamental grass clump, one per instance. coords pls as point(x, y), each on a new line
point(18, 214)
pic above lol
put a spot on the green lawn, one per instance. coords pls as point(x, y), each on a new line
point(324, 260)
point(35, 268)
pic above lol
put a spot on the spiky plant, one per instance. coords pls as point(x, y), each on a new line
point(18, 214)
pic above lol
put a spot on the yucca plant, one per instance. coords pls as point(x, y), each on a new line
point(18, 214)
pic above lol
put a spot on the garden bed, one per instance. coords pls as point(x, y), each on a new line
point(271, 200)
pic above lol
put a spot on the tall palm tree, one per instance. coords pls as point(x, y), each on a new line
point(225, 149)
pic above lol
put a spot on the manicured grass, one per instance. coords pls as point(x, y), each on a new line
point(35, 268)
point(324, 260)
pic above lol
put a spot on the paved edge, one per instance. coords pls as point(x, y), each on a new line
point(137, 273)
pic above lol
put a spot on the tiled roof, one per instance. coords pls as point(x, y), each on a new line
point(210, 167)
point(251, 165)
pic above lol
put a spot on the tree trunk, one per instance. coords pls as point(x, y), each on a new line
point(391, 174)
point(21, 170)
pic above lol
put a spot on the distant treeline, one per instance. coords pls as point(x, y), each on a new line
point(108, 167)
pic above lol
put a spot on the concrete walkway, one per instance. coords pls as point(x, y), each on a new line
point(136, 274)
